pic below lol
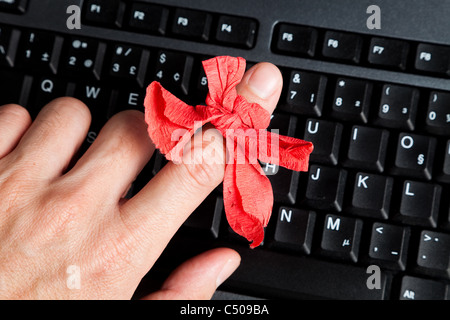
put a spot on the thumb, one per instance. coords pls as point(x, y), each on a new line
point(199, 277)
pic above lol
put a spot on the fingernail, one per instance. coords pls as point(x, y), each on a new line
point(229, 267)
point(264, 80)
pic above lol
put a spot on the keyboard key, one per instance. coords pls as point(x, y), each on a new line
point(84, 57)
point(8, 46)
point(45, 90)
point(341, 237)
point(367, 148)
point(433, 58)
point(419, 204)
point(97, 97)
point(14, 6)
point(326, 137)
point(414, 156)
point(236, 31)
point(173, 71)
point(342, 46)
point(148, 18)
point(103, 12)
point(445, 172)
point(414, 288)
point(296, 40)
point(305, 94)
point(205, 220)
point(191, 24)
point(388, 53)
point(389, 245)
point(434, 252)
point(294, 230)
point(11, 87)
point(398, 107)
point(39, 50)
point(438, 114)
point(352, 99)
point(127, 99)
point(325, 188)
point(129, 63)
point(285, 124)
point(284, 182)
point(297, 277)
point(371, 196)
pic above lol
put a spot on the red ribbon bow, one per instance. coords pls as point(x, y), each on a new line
point(247, 192)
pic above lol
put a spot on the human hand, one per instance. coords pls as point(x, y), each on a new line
point(54, 221)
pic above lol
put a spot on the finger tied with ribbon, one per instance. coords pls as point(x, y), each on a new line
point(247, 192)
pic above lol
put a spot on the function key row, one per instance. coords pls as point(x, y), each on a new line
point(357, 49)
point(174, 22)
point(360, 101)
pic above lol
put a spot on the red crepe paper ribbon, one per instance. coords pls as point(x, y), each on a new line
point(247, 192)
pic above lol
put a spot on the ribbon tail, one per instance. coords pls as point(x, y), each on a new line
point(247, 210)
point(284, 151)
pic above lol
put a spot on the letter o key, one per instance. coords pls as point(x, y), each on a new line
point(407, 142)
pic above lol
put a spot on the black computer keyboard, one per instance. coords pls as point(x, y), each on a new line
point(375, 103)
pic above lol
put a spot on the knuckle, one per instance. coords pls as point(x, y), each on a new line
point(205, 163)
point(127, 130)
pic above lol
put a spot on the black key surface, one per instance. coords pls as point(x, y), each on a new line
point(294, 230)
point(388, 53)
point(283, 123)
point(438, 113)
point(127, 99)
point(192, 24)
point(11, 84)
point(148, 18)
point(294, 277)
point(445, 172)
point(173, 71)
point(326, 138)
point(433, 256)
point(83, 56)
point(8, 46)
point(39, 50)
point(371, 195)
point(419, 203)
point(415, 156)
point(398, 107)
point(129, 63)
point(351, 100)
point(342, 46)
point(433, 59)
point(97, 97)
point(14, 6)
point(284, 182)
point(296, 40)
point(325, 189)
point(236, 31)
point(102, 12)
point(206, 218)
point(389, 245)
point(367, 148)
point(305, 94)
point(45, 89)
point(414, 288)
point(341, 237)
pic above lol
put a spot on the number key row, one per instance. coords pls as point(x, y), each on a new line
point(352, 100)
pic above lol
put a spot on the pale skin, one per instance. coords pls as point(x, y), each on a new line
point(52, 218)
